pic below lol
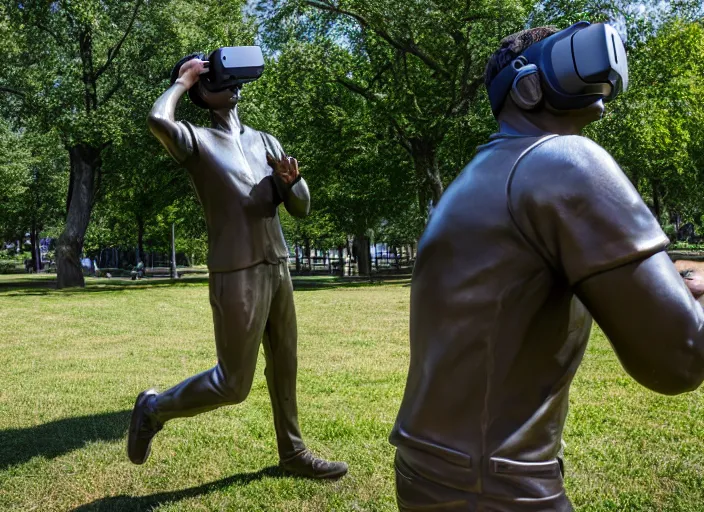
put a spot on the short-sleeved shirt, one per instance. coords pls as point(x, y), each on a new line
point(496, 331)
point(233, 182)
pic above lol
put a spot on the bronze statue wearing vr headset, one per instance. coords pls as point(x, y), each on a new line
point(240, 176)
point(539, 234)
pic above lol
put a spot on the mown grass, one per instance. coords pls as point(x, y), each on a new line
point(73, 361)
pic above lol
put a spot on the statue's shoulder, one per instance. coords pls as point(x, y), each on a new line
point(200, 131)
point(271, 143)
point(568, 166)
point(574, 150)
point(264, 135)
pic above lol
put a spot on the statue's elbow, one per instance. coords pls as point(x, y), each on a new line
point(679, 385)
point(300, 211)
point(298, 201)
point(694, 376)
point(684, 375)
point(156, 124)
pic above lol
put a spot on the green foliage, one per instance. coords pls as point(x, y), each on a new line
point(416, 67)
point(686, 246)
point(33, 182)
point(381, 101)
point(655, 130)
point(9, 267)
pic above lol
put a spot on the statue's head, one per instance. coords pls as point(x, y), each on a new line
point(559, 73)
point(229, 69)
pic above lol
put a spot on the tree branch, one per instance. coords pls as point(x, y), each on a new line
point(112, 52)
point(468, 91)
point(12, 91)
point(378, 76)
point(408, 46)
point(112, 91)
point(50, 32)
point(366, 94)
point(356, 88)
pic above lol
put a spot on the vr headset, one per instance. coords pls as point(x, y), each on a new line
point(233, 66)
point(578, 66)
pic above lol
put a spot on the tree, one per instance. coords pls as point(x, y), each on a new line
point(357, 177)
point(14, 182)
point(68, 73)
point(33, 186)
point(78, 66)
point(419, 66)
point(654, 130)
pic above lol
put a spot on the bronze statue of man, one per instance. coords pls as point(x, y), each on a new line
point(541, 232)
point(251, 293)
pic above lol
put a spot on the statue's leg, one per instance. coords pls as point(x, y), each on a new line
point(240, 301)
point(280, 348)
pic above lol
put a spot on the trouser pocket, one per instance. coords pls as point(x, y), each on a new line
point(415, 493)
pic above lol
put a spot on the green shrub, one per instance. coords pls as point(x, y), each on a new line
point(8, 266)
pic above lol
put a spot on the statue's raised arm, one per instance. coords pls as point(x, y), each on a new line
point(175, 136)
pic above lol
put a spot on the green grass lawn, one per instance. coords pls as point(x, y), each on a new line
point(72, 363)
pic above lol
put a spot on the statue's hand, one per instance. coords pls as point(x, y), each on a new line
point(285, 168)
point(693, 275)
point(190, 72)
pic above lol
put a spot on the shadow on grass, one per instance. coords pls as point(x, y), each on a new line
point(143, 503)
point(34, 287)
point(305, 284)
point(40, 287)
point(50, 440)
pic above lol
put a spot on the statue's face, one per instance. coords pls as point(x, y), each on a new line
point(219, 100)
point(582, 116)
point(591, 113)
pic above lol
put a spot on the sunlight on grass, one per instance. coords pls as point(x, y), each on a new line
point(73, 362)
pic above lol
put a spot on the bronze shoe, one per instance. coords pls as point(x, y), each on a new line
point(305, 464)
point(143, 428)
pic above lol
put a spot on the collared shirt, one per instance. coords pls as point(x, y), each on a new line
point(240, 197)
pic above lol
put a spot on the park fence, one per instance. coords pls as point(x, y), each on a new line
point(385, 259)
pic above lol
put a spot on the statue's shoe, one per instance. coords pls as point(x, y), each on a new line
point(305, 464)
point(143, 428)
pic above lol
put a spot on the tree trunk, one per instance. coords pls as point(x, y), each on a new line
point(364, 267)
point(425, 160)
point(140, 240)
point(656, 201)
point(298, 259)
point(85, 165)
point(307, 254)
point(36, 259)
point(174, 272)
point(341, 260)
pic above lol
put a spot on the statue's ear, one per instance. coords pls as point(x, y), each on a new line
point(196, 98)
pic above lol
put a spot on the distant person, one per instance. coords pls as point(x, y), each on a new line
point(241, 176)
point(539, 233)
